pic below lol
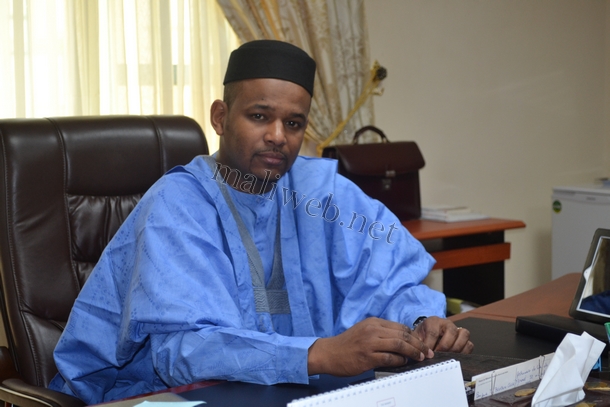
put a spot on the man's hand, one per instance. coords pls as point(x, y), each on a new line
point(369, 344)
point(442, 335)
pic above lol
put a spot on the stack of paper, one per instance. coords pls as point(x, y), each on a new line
point(450, 213)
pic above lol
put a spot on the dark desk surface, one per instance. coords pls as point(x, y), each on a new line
point(230, 394)
point(499, 338)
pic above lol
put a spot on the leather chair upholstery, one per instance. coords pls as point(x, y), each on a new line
point(66, 185)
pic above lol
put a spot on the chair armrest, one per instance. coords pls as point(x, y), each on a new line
point(7, 366)
point(18, 392)
point(15, 391)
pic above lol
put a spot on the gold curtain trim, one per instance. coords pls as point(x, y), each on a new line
point(378, 73)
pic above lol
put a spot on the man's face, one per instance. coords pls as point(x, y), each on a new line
point(262, 131)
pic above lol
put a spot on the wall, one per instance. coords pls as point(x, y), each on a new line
point(505, 98)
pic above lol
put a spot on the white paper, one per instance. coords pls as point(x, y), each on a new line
point(415, 388)
point(506, 378)
point(565, 377)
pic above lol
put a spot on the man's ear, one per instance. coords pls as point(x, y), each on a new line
point(218, 114)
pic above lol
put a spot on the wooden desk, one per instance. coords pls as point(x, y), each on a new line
point(471, 255)
point(554, 297)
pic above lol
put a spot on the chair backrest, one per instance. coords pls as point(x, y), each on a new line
point(66, 185)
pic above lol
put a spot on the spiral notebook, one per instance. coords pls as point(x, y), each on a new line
point(440, 384)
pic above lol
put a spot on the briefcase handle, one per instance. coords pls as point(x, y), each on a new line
point(384, 139)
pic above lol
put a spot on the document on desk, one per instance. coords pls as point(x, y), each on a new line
point(499, 380)
point(418, 387)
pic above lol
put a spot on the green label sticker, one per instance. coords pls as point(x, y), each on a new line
point(557, 206)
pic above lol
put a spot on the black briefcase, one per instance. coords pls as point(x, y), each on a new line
point(387, 171)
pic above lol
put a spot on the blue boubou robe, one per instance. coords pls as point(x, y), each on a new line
point(171, 300)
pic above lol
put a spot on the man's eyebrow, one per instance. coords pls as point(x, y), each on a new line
point(270, 108)
point(299, 116)
point(262, 107)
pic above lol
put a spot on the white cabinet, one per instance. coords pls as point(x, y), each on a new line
point(577, 212)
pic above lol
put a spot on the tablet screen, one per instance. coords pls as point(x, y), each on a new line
point(592, 300)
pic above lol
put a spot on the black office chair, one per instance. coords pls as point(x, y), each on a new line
point(66, 185)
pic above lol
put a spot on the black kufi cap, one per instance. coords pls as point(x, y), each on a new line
point(271, 59)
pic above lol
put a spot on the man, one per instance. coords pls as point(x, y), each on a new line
point(253, 265)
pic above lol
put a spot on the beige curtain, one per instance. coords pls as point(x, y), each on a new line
point(36, 59)
point(75, 57)
point(334, 33)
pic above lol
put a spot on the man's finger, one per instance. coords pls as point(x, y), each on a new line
point(392, 325)
point(431, 334)
point(412, 347)
point(454, 340)
point(462, 342)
